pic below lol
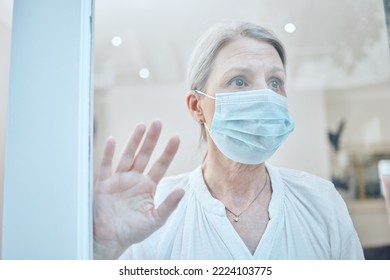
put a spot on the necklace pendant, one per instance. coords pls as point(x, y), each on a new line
point(236, 219)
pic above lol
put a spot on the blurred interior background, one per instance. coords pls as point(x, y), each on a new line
point(338, 86)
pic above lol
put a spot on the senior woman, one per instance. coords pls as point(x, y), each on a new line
point(234, 205)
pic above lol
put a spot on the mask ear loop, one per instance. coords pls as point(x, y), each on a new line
point(202, 93)
point(208, 130)
point(209, 96)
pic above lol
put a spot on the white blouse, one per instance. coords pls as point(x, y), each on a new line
point(308, 220)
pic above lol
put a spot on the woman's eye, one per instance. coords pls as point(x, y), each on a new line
point(238, 82)
point(275, 84)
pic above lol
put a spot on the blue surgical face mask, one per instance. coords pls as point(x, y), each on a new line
point(249, 126)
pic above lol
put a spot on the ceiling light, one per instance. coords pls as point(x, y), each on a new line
point(290, 27)
point(116, 41)
point(144, 73)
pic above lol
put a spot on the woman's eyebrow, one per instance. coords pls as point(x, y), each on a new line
point(247, 70)
point(236, 69)
point(276, 69)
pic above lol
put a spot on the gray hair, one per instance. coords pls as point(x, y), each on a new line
point(203, 56)
point(202, 59)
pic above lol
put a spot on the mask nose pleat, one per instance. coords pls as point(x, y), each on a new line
point(249, 111)
point(266, 129)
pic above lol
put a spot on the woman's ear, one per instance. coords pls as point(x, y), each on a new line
point(193, 104)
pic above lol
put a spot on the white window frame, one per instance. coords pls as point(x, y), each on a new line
point(48, 156)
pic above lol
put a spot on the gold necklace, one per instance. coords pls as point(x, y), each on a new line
point(237, 216)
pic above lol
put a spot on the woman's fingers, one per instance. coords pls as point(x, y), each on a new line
point(161, 165)
point(106, 164)
point(127, 157)
point(143, 156)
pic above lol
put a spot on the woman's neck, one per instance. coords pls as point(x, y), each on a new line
point(231, 182)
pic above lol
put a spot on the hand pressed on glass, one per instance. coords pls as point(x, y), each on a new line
point(124, 209)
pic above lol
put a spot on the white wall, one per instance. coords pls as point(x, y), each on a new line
point(119, 109)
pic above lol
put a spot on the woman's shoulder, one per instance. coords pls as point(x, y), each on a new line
point(306, 186)
point(302, 179)
point(314, 201)
point(312, 192)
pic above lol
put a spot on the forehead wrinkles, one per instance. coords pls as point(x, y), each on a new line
point(246, 54)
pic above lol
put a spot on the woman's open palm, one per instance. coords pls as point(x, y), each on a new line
point(124, 209)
